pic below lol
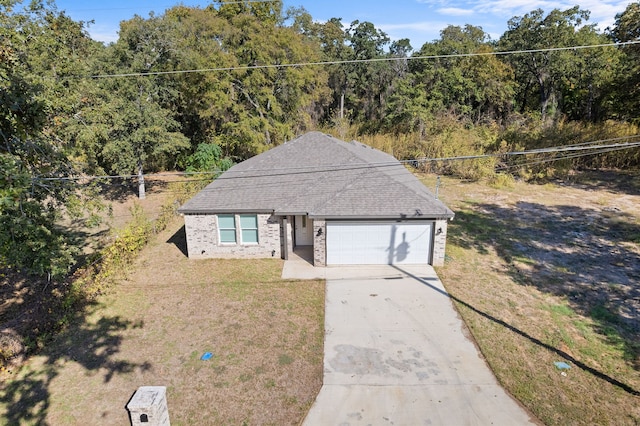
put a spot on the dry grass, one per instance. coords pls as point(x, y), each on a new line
point(540, 273)
point(547, 273)
point(266, 336)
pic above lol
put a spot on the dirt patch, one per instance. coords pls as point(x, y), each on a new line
point(571, 240)
point(25, 314)
point(122, 196)
point(547, 273)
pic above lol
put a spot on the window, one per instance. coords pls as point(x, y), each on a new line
point(227, 228)
point(249, 228)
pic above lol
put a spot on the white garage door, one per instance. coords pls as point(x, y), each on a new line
point(378, 243)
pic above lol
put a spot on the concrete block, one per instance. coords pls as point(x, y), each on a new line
point(148, 407)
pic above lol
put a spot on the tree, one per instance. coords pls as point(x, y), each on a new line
point(586, 86)
point(200, 100)
point(626, 99)
point(331, 38)
point(269, 101)
point(475, 88)
point(128, 128)
point(409, 108)
point(400, 49)
point(544, 77)
point(359, 89)
point(367, 82)
point(32, 155)
point(208, 158)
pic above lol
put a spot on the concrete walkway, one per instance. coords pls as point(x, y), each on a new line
point(396, 353)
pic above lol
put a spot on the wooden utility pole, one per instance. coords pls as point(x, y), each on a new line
point(141, 189)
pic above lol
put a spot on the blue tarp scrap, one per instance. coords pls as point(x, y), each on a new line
point(560, 365)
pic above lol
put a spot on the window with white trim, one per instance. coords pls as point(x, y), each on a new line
point(249, 228)
point(227, 228)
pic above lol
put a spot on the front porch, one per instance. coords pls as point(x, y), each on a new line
point(302, 254)
point(303, 239)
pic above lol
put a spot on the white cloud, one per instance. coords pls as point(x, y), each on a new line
point(511, 8)
point(418, 33)
point(425, 26)
point(603, 12)
point(455, 11)
point(104, 33)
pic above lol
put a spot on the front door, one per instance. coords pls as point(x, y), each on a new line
point(304, 231)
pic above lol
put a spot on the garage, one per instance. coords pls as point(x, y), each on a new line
point(349, 204)
point(378, 243)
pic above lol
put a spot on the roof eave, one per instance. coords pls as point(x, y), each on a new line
point(290, 213)
point(399, 218)
point(223, 211)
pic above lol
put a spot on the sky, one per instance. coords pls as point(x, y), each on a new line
point(418, 20)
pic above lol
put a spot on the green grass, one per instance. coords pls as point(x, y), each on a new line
point(603, 314)
point(560, 310)
point(285, 359)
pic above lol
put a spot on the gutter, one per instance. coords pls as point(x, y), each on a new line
point(223, 211)
point(398, 218)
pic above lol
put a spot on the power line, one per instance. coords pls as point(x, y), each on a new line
point(99, 177)
point(356, 61)
point(559, 158)
point(252, 173)
point(168, 5)
point(570, 151)
point(577, 147)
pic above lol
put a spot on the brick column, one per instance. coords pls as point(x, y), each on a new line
point(319, 242)
point(439, 242)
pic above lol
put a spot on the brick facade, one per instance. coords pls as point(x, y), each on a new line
point(439, 242)
point(203, 241)
point(319, 243)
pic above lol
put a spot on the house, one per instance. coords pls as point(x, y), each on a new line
point(351, 203)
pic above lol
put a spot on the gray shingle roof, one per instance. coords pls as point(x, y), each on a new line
point(321, 176)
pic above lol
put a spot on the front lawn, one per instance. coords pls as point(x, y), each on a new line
point(541, 274)
point(551, 273)
point(265, 334)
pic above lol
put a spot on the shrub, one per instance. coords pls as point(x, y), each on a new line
point(502, 180)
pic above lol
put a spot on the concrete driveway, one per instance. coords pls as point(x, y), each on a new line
point(396, 353)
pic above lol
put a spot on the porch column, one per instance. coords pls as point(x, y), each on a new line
point(319, 242)
point(439, 242)
point(285, 238)
point(287, 225)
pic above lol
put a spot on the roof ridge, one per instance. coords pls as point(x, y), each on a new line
point(392, 166)
point(319, 174)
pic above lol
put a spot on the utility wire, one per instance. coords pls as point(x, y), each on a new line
point(564, 157)
point(356, 61)
point(592, 147)
point(252, 173)
point(168, 5)
point(533, 151)
point(126, 176)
